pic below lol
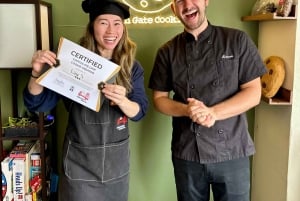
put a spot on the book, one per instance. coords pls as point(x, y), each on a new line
point(7, 179)
point(24, 150)
point(35, 168)
point(80, 74)
point(19, 179)
point(21, 149)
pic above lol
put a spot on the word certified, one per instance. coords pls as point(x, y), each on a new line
point(152, 20)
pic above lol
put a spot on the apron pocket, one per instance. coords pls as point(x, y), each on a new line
point(97, 163)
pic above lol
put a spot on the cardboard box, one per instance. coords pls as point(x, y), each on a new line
point(19, 179)
point(7, 179)
point(23, 150)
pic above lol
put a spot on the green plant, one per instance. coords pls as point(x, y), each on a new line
point(19, 122)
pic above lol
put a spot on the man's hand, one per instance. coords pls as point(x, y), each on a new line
point(200, 113)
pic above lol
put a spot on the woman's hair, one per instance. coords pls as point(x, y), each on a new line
point(123, 54)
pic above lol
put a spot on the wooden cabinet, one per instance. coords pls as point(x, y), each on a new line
point(276, 164)
point(26, 26)
point(41, 138)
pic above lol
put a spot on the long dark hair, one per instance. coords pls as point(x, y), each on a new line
point(123, 54)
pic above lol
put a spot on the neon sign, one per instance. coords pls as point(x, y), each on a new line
point(150, 12)
point(144, 6)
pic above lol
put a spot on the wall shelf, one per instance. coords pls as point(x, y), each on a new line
point(30, 27)
point(276, 123)
point(272, 16)
point(41, 139)
point(282, 97)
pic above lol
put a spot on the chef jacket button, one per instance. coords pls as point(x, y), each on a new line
point(215, 83)
point(221, 131)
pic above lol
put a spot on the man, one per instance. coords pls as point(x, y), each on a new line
point(214, 73)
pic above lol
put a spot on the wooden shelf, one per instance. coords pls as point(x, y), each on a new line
point(271, 16)
point(282, 97)
point(23, 137)
point(41, 139)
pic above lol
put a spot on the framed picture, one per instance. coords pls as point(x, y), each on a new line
point(26, 26)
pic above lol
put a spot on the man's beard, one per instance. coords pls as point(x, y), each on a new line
point(193, 26)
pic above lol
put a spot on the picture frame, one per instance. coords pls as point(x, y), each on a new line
point(26, 26)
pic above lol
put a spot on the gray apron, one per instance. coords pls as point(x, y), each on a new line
point(95, 155)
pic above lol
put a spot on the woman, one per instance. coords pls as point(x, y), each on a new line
point(96, 145)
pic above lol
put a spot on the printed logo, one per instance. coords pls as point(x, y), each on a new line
point(78, 74)
point(121, 122)
point(71, 88)
point(84, 96)
point(59, 82)
point(4, 186)
point(227, 56)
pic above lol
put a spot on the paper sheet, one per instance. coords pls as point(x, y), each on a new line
point(79, 73)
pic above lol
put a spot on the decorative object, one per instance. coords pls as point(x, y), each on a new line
point(284, 8)
point(273, 79)
point(263, 7)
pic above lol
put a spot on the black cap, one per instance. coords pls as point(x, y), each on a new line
point(99, 7)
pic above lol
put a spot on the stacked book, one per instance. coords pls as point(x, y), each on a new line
point(21, 172)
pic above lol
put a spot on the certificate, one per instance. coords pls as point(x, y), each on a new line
point(79, 74)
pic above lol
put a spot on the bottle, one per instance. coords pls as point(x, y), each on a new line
point(35, 164)
point(284, 8)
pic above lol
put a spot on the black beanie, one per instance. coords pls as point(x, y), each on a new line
point(99, 7)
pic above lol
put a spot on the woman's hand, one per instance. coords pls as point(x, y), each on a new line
point(40, 58)
point(115, 93)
